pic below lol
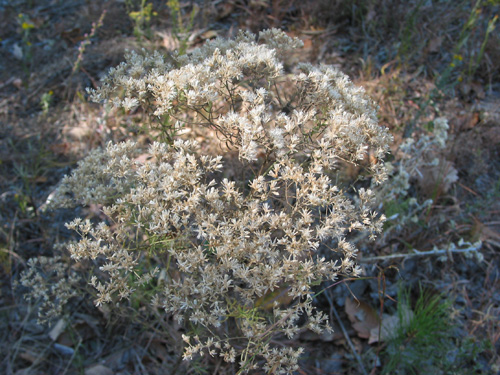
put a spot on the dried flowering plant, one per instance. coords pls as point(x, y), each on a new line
point(420, 159)
point(227, 250)
point(50, 280)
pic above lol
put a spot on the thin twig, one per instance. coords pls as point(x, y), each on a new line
point(344, 331)
point(417, 253)
point(73, 355)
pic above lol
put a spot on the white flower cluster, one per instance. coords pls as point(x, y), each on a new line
point(239, 88)
point(225, 246)
point(422, 160)
point(49, 281)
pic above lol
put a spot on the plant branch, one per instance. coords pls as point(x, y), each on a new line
point(416, 253)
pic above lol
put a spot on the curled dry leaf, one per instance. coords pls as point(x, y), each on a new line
point(362, 316)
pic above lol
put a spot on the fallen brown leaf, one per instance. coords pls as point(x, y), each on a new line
point(362, 316)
